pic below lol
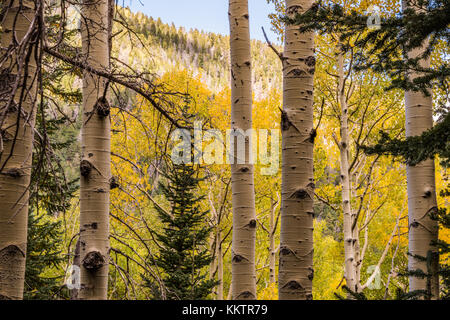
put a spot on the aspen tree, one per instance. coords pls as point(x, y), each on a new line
point(219, 266)
point(296, 237)
point(272, 250)
point(243, 190)
point(421, 186)
point(350, 238)
point(96, 152)
point(18, 77)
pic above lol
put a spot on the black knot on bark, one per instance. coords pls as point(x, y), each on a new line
point(102, 107)
point(310, 61)
point(245, 295)
point(415, 224)
point(15, 173)
point(93, 261)
point(311, 274)
point(238, 258)
point(293, 285)
point(300, 194)
point(244, 169)
point(252, 224)
point(296, 72)
point(427, 194)
point(285, 123)
point(11, 253)
point(85, 168)
point(93, 225)
point(285, 251)
point(312, 135)
point(114, 183)
point(2, 297)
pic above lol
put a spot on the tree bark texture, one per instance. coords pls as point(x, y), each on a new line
point(96, 152)
point(297, 188)
point(243, 190)
point(18, 84)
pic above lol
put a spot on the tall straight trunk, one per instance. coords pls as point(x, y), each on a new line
point(272, 251)
point(297, 188)
point(350, 237)
point(17, 118)
point(96, 150)
point(219, 266)
point(243, 190)
point(421, 189)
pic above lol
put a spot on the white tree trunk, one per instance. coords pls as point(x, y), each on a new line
point(17, 118)
point(350, 238)
point(96, 155)
point(243, 190)
point(421, 189)
point(297, 188)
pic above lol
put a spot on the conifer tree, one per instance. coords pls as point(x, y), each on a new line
point(184, 254)
point(51, 192)
point(43, 253)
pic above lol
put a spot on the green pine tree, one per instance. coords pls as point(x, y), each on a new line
point(184, 252)
point(50, 195)
point(44, 276)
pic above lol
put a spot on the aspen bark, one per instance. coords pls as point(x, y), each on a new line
point(421, 186)
point(297, 188)
point(350, 238)
point(272, 251)
point(421, 190)
point(219, 266)
point(17, 117)
point(243, 191)
point(96, 150)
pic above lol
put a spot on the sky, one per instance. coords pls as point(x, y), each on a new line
point(207, 15)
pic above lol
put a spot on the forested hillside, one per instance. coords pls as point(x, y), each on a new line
point(127, 173)
point(165, 48)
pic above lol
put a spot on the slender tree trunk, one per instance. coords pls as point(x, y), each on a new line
point(243, 191)
point(17, 117)
point(421, 190)
point(296, 238)
point(272, 251)
point(219, 266)
point(349, 218)
point(96, 150)
point(213, 248)
point(76, 262)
